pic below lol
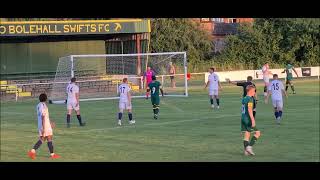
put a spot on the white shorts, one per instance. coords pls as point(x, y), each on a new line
point(47, 132)
point(277, 103)
point(72, 105)
point(213, 92)
point(266, 79)
point(125, 105)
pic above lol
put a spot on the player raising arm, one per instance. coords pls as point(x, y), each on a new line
point(214, 85)
point(276, 90)
point(248, 122)
point(245, 85)
point(265, 73)
point(154, 87)
point(288, 70)
point(73, 102)
point(125, 101)
point(44, 128)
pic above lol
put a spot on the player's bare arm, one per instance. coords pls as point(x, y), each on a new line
point(206, 85)
point(232, 82)
point(77, 98)
point(219, 85)
point(284, 93)
point(43, 124)
point(250, 110)
point(129, 97)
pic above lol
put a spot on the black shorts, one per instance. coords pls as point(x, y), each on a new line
point(171, 77)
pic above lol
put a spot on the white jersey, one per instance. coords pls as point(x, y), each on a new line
point(124, 89)
point(213, 81)
point(72, 89)
point(42, 110)
point(276, 88)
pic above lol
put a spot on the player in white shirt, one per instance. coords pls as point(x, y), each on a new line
point(125, 101)
point(265, 73)
point(276, 90)
point(44, 128)
point(73, 101)
point(214, 86)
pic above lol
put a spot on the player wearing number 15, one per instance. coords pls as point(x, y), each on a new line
point(276, 90)
point(155, 86)
point(125, 101)
point(248, 123)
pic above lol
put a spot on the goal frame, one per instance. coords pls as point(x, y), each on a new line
point(72, 58)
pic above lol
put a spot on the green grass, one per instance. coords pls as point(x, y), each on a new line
point(188, 130)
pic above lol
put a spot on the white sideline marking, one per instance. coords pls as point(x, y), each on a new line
point(152, 124)
point(128, 126)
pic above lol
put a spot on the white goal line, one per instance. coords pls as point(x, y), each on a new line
point(109, 98)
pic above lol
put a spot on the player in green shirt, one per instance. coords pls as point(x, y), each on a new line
point(288, 70)
point(248, 123)
point(154, 87)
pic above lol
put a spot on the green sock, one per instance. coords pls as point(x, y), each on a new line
point(253, 140)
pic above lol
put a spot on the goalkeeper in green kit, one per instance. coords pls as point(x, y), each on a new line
point(154, 87)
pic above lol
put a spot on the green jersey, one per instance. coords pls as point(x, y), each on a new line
point(247, 101)
point(289, 69)
point(154, 88)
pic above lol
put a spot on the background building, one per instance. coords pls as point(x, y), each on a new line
point(219, 28)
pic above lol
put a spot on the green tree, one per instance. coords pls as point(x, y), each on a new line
point(276, 40)
point(178, 34)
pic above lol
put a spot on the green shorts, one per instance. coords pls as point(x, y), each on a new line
point(155, 100)
point(288, 80)
point(246, 125)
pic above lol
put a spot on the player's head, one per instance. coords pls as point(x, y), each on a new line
point(250, 90)
point(249, 78)
point(73, 80)
point(154, 78)
point(275, 76)
point(125, 80)
point(170, 63)
point(211, 70)
point(43, 97)
point(148, 68)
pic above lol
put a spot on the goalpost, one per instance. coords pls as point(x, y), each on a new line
point(99, 75)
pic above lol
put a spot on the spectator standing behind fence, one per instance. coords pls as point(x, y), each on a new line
point(172, 72)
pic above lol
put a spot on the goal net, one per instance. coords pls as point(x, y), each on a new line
point(99, 75)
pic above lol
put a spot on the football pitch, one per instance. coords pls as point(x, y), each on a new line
point(187, 129)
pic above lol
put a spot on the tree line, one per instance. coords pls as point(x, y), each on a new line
point(274, 40)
